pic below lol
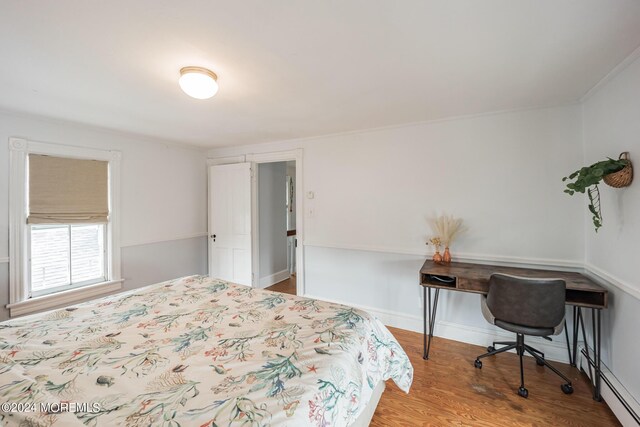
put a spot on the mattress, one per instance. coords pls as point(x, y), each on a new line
point(196, 351)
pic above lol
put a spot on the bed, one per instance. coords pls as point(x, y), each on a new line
point(197, 351)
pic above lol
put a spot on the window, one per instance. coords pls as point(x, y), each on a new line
point(66, 256)
point(64, 242)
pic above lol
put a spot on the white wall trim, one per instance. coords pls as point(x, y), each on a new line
point(613, 392)
point(163, 240)
point(274, 156)
point(17, 218)
point(612, 74)
point(597, 273)
point(267, 281)
point(19, 149)
point(64, 298)
point(109, 131)
point(555, 350)
point(214, 161)
point(609, 279)
point(459, 256)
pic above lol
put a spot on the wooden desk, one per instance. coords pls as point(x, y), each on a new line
point(468, 277)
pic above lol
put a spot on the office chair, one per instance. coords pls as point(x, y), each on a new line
point(527, 307)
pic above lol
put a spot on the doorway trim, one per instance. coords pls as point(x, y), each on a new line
point(272, 157)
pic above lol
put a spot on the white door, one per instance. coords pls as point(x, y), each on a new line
point(230, 222)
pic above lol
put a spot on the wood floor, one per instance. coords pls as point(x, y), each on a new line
point(448, 391)
point(286, 286)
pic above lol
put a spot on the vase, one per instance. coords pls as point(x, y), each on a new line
point(446, 257)
point(437, 257)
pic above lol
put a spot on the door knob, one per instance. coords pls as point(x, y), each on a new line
point(213, 236)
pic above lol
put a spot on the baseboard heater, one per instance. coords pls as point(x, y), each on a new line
point(621, 402)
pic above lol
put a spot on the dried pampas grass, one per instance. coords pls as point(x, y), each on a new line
point(447, 228)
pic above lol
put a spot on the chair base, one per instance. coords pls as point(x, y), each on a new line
point(521, 348)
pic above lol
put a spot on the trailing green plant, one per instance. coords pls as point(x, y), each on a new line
point(586, 179)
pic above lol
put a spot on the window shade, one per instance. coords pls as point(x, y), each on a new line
point(69, 191)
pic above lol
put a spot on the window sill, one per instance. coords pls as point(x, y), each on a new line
point(63, 298)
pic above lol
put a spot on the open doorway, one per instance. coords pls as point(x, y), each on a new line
point(277, 226)
point(255, 223)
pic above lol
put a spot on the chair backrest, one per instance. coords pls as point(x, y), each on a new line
point(536, 303)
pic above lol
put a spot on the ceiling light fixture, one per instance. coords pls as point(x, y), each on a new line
point(198, 82)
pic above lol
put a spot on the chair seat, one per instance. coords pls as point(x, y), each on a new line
point(525, 304)
point(526, 330)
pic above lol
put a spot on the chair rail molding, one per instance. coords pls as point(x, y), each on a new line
point(609, 280)
point(128, 244)
point(599, 275)
point(460, 256)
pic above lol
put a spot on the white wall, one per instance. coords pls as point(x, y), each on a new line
point(272, 224)
point(365, 240)
point(612, 125)
point(374, 190)
point(163, 195)
point(500, 173)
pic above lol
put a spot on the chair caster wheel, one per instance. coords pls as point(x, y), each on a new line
point(478, 364)
point(567, 388)
point(539, 362)
point(523, 392)
point(490, 349)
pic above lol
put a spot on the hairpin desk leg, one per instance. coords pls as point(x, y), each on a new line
point(596, 361)
point(576, 326)
point(596, 323)
point(566, 333)
point(586, 347)
point(425, 355)
point(428, 332)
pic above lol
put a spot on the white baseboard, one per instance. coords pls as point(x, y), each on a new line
point(619, 400)
point(267, 281)
point(555, 350)
point(483, 336)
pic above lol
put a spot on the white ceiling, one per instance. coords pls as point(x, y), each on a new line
point(297, 68)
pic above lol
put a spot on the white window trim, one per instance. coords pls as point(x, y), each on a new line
point(19, 303)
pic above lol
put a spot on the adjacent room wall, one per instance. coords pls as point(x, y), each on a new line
point(163, 199)
point(612, 125)
point(367, 224)
point(272, 222)
point(291, 171)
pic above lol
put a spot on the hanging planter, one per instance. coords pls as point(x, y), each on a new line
point(623, 177)
point(616, 173)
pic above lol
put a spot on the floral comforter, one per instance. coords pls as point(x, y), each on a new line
point(195, 351)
